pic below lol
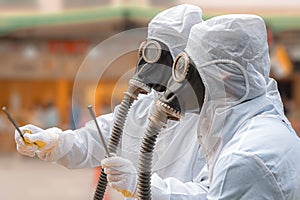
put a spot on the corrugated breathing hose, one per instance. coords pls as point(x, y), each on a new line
point(158, 120)
point(130, 96)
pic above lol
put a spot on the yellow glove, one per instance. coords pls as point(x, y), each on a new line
point(35, 139)
point(40, 144)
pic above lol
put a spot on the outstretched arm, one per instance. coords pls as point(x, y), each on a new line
point(122, 176)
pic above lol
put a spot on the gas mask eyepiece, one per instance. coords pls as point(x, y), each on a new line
point(150, 51)
point(180, 67)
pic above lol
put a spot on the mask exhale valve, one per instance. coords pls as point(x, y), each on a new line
point(129, 97)
point(158, 120)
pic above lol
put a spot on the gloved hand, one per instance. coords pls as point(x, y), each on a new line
point(121, 175)
point(37, 140)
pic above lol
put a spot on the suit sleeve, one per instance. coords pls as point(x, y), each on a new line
point(87, 149)
point(173, 189)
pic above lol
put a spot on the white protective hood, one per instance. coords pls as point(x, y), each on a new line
point(231, 56)
point(172, 26)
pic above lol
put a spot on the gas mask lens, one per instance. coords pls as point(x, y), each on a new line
point(150, 51)
point(180, 67)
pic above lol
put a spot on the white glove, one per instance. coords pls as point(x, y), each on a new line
point(45, 143)
point(121, 175)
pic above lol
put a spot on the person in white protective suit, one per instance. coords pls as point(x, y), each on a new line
point(251, 150)
point(263, 146)
point(177, 153)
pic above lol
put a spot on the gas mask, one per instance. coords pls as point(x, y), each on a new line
point(154, 66)
point(153, 70)
point(185, 91)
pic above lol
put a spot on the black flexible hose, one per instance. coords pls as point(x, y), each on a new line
point(157, 121)
point(117, 130)
point(101, 186)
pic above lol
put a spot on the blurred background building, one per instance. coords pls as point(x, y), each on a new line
point(51, 53)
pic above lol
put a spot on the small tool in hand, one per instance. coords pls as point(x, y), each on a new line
point(13, 122)
point(40, 144)
point(100, 133)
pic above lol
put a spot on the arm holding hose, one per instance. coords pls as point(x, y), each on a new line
point(122, 176)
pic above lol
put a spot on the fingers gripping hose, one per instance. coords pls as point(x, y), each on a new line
point(130, 96)
point(157, 121)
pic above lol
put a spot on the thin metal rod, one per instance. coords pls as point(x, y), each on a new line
point(13, 122)
point(90, 107)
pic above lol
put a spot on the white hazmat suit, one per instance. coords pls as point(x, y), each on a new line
point(177, 152)
point(251, 150)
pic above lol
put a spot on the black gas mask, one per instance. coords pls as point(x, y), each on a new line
point(185, 91)
point(154, 67)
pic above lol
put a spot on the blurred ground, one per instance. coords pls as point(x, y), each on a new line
point(23, 178)
point(29, 178)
